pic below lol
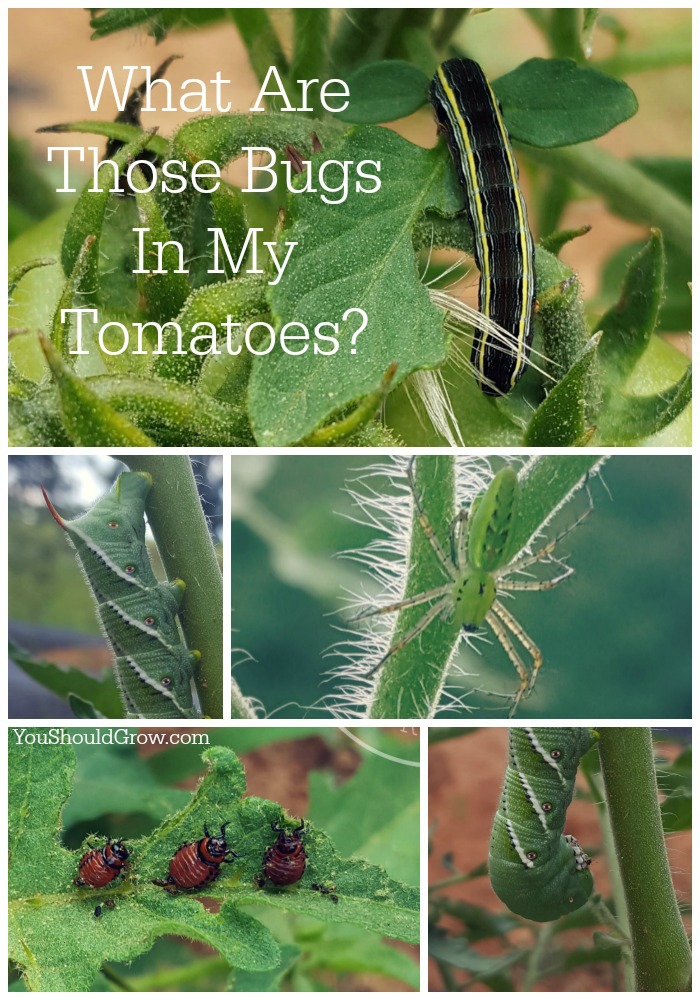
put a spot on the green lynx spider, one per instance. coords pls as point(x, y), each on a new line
point(478, 570)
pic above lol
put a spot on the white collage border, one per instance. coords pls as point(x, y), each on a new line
point(358, 724)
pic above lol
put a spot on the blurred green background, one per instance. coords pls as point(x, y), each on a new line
point(616, 638)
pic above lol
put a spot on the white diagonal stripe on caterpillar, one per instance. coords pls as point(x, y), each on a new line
point(515, 843)
point(533, 800)
point(145, 679)
point(105, 560)
point(546, 757)
point(135, 623)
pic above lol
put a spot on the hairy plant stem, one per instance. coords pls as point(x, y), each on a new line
point(620, 922)
point(411, 680)
point(660, 948)
point(180, 529)
point(533, 967)
point(628, 190)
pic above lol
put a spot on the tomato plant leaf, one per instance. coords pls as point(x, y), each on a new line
point(357, 254)
point(54, 937)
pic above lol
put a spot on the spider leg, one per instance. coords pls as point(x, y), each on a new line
point(501, 634)
point(427, 527)
point(419, 627)
point(530, 558)
point(458, 539)
point(502, 622)
point(409, 602)
point(567, 571)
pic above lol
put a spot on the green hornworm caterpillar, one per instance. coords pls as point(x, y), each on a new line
point(469, 116)
point(535, 869)
point(153, 667)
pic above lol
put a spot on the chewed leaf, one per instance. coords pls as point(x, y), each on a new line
point(367, 896)
point(268, 981)
point(58, 944)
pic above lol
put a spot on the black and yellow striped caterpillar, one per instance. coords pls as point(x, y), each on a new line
point(469, 117)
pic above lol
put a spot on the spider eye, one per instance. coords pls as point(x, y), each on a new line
point(555, 754)
point(113, 524)
point(149, 621)
point(531, 855)
point(546, 807)
point(130, 570)
point(166, 681)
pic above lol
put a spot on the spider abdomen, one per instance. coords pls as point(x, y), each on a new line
point(491, 523)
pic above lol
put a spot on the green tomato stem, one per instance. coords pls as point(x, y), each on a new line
point(628, 191)
point(411, 680)
point(660, 948)
point(179, 527)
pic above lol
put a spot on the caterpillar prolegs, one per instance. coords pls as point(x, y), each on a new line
point(535, 869)
point(153, 667)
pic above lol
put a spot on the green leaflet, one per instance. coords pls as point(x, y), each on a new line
point(153, 668)
point(536, 870)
